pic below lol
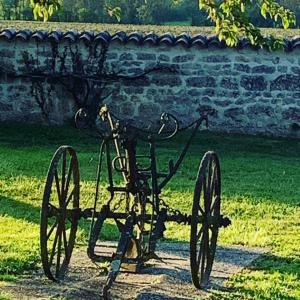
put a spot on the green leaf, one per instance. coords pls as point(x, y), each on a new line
point(51, 10)
point(285, 23)
point(263, 10)
point(40, 12)
point(35, 12)
point(242, 7)
point(115, 12)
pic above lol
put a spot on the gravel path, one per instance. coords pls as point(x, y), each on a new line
point(168, 278)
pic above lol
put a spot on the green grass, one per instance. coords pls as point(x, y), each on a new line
point(178, 23)
point(4, 296)
point(261, 194)
point(128, 28)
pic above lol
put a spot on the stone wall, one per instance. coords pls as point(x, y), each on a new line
point(243, 90)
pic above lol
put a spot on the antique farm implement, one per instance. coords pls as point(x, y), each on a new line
point(133, 202)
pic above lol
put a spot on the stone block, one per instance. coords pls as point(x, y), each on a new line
point(132, 90)
point(112, 55)
point(207, 110)
point(229, 83)
point(292, 113)
point(146, 56)
point(183, 58)
point(164, 58)
point(152, 92)
point(295, 70)
point(148, 110)
point(282, 69)
point(267, 95)
point(223, 102)
point(126, 56)
point(216, 59)
point(7, 53)
point(287, 82)
point(242, 58)
point(127, 109)
point(276, 60)
point(233, 113)
point(194, 92)
point(209, 92)
point(134, 99)
point(242, 68)
point(260, 110)
point(136, 71)
point(253, 83)
point(166, 81)
point(137, 82)
point(201, 81)
point(6, 106)
point(263, 69)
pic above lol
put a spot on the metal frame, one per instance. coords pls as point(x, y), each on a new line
point(139, 212)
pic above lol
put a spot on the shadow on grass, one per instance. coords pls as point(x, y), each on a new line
point(24, 211)
point(251, 285)
point(19, 210)
point(282, 265)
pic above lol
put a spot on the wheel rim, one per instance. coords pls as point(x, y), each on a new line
point(204, 220)
point(58, 226)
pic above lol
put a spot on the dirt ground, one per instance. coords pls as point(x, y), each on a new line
point(168, 278)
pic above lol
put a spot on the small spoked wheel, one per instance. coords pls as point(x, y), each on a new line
point(205, 219)
point(58, 214)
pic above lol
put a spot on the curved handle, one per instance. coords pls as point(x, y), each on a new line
point(82, 119)
point(165, 119)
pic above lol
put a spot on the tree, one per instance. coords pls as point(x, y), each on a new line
point(232, 18)
point(44, 9)
point(154, 11)
point(12, 9)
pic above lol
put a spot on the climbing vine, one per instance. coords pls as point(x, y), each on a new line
point(85, 78)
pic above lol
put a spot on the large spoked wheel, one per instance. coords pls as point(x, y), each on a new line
point(58, 214)
point(205, 219)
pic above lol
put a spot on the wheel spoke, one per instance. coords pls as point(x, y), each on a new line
point(58, 254)
point(65, 243)
point(214, 204)
point(202, 210)
point(69, 198)
point(200, 253)
point(51, 230)
point(63, 176)
point(203, 254)
point(57, 185)
point(68, 177)
point(207, 245)
point(199, 233)
point(213, 181)
point(54, 247)
point(208, 193)
point(208, 182)
point(52, 206)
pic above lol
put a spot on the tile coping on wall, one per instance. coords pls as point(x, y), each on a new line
point(169, 39)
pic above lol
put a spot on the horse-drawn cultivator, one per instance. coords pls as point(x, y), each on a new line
point(136, 205)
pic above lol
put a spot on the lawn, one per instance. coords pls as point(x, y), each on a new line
point(174, 28)
point(261, 194)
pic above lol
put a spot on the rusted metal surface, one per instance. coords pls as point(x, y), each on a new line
point(136, 206)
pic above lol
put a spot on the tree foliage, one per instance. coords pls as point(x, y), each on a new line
point(231, 18)
point(44, 8)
